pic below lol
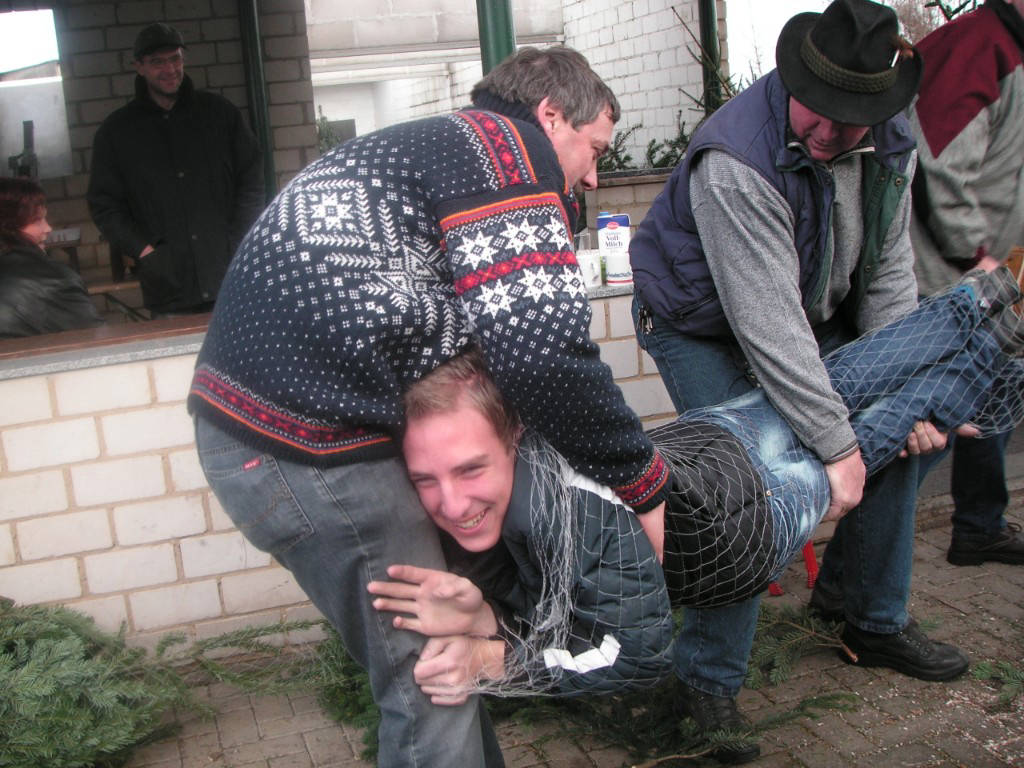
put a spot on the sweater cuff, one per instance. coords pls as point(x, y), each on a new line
point(650, 490)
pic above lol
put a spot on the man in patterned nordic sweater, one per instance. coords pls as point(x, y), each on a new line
point(376, 264)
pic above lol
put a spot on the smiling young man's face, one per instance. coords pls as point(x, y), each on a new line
point(463, 473)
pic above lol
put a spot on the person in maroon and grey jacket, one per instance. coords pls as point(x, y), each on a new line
point(969, 211)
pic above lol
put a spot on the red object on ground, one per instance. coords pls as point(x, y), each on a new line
point(810, 565)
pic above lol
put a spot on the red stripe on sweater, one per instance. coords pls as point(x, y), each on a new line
point(501, 140)
point(504, 206)
point(516, 263)
point(257, 417)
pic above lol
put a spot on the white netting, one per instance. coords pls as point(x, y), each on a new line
point(745, 495)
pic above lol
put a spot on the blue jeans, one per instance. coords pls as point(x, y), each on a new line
point(336, 529)
point(798, 488)
point(868, 560)
point(932, 364)
point(978, 484)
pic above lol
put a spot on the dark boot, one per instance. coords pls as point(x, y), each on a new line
point(1007, 546)
point(716, 713)
point(910, 652)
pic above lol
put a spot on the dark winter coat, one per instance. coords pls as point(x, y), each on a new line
point(40, 295)
point(187, 181)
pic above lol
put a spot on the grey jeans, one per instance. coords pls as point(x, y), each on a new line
point(336, 529)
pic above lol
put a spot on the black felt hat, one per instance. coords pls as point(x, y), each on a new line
point(154, 37)
point(849, 63)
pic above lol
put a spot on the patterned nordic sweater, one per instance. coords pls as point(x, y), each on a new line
point(385, 258)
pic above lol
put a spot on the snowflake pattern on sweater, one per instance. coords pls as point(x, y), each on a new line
point(387, 257)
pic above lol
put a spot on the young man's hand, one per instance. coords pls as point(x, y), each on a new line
point(450, 666)
point(653, 523)
point(438, 602)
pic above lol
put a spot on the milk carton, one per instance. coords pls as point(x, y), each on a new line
point(613, 243)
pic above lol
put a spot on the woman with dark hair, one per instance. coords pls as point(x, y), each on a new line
point(37, 294)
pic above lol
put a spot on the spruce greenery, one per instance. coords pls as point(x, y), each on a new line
point(72, 695)
point(1007, 675)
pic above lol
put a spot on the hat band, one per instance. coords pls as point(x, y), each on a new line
point(841, 77)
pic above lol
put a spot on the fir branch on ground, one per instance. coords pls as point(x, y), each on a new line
point(1007, 675)
point(73, 695)
point(783, 636)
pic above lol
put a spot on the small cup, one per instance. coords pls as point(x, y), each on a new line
point(590, 266)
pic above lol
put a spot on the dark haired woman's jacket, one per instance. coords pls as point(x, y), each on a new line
point(39, 295)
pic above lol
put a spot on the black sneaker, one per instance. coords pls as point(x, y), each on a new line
point(713, 714)
point(1007, 546)
point(826, 606)
point(910, 652)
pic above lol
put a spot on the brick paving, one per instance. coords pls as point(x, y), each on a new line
point(897, 721)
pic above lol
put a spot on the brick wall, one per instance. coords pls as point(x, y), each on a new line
point(103, 506)
point(95, 37)
point(642, 51)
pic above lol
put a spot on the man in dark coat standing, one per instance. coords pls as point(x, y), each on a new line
point(176, 179)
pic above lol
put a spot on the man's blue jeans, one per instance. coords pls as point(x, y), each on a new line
point(337, 529)
point(934, 365)
point(868, 560)
point(978, 484)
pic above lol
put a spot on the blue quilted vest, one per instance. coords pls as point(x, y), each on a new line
point(670, 271)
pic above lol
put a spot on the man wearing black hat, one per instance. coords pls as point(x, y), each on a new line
point(783, 234)
point(176, 179)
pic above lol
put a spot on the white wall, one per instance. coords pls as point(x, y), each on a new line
point(639, 47)
point(40, 100)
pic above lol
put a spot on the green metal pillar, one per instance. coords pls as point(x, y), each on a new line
point(712, 57)
point(497, 33)
point(256, 88)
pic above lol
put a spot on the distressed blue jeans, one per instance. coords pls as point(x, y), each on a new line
point(868, 560)
point(336, 529)
point(930, 365)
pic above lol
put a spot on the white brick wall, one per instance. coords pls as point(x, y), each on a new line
point(46, 445)
point(6, 546)
point(147, 430)
point(101, 389)
point(180, 604)
point(24, 400)
point(268, 588)
point(41, 582)
point(32, 494)
point(642, 50)
point(127, 569)
point(64, 534)
point(220, 553)
point(109, 481)
point(159, 520)
point(108, 612)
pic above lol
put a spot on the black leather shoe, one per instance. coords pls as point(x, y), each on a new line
point(716, 713)
point(910, 652)
point(1007, 546)
point(826, 606)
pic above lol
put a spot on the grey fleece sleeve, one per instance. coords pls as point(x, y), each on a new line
point(746, 228)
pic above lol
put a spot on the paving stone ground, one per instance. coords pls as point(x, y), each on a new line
point(898, 721)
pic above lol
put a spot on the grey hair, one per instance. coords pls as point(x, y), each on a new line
point(561, 75)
